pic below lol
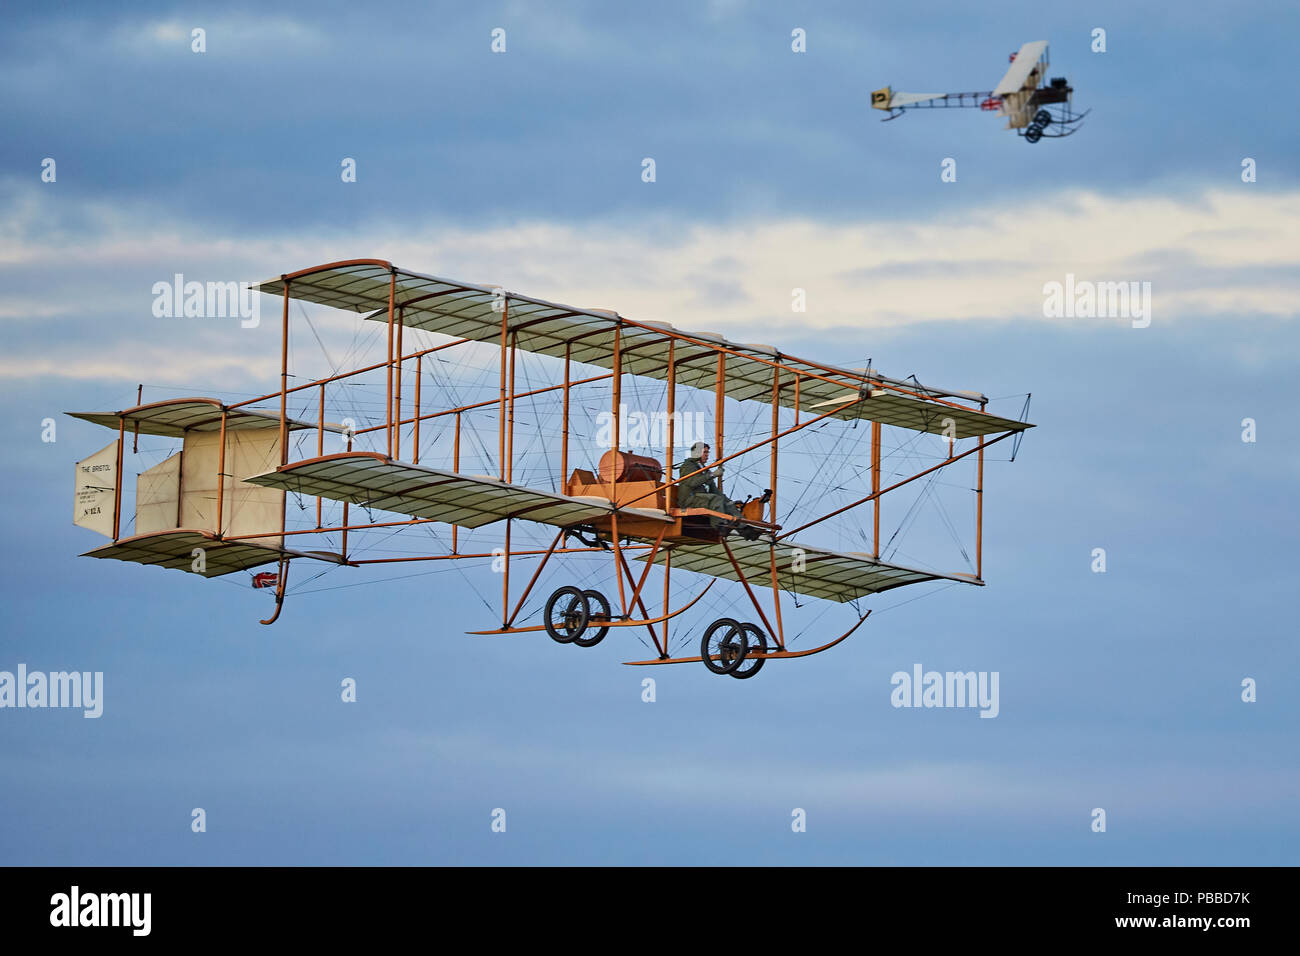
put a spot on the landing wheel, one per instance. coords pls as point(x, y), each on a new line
point(1043, 118)
point(723, 645)
point(755, 643)
point(1034, 133)
point(597, 612)
point(566, 615)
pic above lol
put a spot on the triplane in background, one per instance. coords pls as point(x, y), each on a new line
point(218, 504)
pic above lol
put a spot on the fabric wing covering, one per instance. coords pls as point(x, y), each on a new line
point(462, 310)
point(1014, 79)
point(175, 549)
point(181, 491)
point(831, 575)
point(173, 418)
point(903, 411)
point(92, 500)
point(371, 480)
point(157, 496)
point(246, 509)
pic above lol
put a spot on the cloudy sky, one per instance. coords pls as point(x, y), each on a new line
point(1119, 690)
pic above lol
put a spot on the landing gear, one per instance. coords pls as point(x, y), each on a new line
point(755, 648)
point(1049, 125)
point(575, 616)
point(598, 611)
point(724, 645)
point(729, 647)
point(570, 611)
point(566, 615)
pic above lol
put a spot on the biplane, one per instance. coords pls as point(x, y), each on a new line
point(393, 446)
point(1034, 106)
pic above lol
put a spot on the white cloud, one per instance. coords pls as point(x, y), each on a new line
point(160, 365)
point(228, 34)
point(1229, 254)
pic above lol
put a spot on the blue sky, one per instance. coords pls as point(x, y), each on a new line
point(1119, 690)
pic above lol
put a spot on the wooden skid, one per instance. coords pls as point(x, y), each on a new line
point(629, 623)
point(771, 655)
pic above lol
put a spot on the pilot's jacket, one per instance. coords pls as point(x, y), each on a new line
point(701, 491)
point(703, 483)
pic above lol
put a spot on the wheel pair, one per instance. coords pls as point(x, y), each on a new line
point(729, 647)
point(570, 611)
point(1034, 133)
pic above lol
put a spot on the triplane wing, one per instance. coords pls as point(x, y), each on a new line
point(216, 504)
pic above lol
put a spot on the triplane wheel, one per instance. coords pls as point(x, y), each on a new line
point(723, 645)
point(755, 644)
point(597, 613)
point(1043, 118)
point(567, 614)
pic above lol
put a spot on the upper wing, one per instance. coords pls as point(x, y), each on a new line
point(890, 408)
point(475, 313)
point(1025, 63)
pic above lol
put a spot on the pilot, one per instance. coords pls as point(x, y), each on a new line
point(701, 491)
